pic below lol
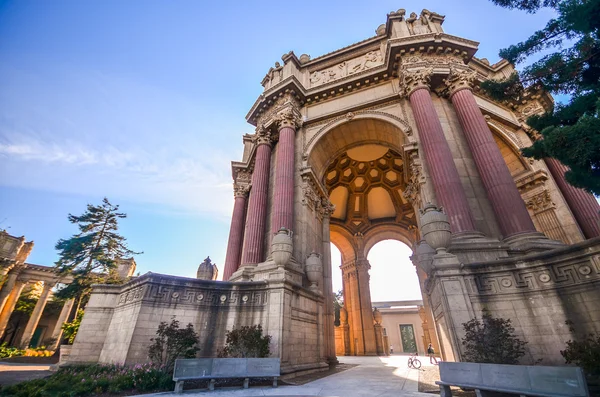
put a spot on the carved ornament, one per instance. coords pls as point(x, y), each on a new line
point(540, 202)
point(314, 198)
point(346, 68)
point(414, 179)
point(284, 109)
point(240, 190)
point(415, 79)
point(263, 136)
point(460, 79)
point(410, 61)
point(289, 117)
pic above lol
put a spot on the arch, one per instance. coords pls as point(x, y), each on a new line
point(343, 240)
point(513, 159)
point(344, 133)
point(383, 232)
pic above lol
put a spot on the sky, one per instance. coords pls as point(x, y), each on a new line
point(144, 102)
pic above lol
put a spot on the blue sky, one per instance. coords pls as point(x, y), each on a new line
point(144, 102)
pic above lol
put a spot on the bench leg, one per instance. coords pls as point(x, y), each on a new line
point(275, 381)
point(246, 383)
point(211, 385)
point(445, 391)
point(179, 386)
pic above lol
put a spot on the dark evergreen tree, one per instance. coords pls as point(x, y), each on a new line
point(91, 255)
point(571, 132)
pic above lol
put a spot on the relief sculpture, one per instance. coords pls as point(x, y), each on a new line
point(346, 68)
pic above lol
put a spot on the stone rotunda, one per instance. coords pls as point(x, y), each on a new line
point(388, 138)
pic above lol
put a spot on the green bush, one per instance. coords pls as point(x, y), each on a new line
point(91, 380)
point(8, 351)
point(584, 353)
point(247, 341)
point(491, 340)
point(171, 343)
point(70, 329)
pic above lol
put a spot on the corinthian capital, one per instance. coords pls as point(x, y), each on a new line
point(289, 117)
point(460, 79)
point(415, 79)
point(241, 190)
point(263, 136)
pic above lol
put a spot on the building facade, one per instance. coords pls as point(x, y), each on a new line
point(388, 138)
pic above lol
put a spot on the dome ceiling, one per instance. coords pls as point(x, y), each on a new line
point(365, 184)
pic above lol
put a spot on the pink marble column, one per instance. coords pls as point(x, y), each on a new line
point(254, 235)
point(283, 196)
point(236, 232)
point(511, 212)
point(584, 206)
point(446, 182)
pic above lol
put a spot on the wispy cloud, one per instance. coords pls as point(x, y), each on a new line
point(199, 184)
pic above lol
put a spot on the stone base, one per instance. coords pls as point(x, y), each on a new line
point(445, 260)
point(526, 243)
point(269, 271)
point(477, 248)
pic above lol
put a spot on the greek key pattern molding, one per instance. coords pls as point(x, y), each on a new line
point(193, 296)
point(534, 279)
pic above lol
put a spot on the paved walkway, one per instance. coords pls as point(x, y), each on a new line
point(12, 373)
point(373, 377)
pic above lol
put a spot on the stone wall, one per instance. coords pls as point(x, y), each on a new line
point(119, 321)
point(537, 292)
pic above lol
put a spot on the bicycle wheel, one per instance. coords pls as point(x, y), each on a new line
point(416, 364)
point(410, 363)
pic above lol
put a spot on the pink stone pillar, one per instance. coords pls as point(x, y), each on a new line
point(584, 206)
point(446, 182)
point(283, 197)
point(236, 233)
point(254, 235)
point(509, 207)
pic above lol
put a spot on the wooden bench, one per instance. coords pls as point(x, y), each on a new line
point(523, 380)
point(221, 368)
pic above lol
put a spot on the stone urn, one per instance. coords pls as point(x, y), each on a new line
point(425, 255)
point(314, 270)
point(281, 247)
point(343, 316)
point(435, 228)
point(207, 270)
point(377, 316)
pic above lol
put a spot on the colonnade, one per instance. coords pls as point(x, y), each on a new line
point(247, 232)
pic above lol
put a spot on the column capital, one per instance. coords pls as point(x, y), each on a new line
point(459, 79)
point(263, 136)
point(289, 117)
point(241, 190)
point(415, 79)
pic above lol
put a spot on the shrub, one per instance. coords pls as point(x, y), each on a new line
point(171, 343)
point(89, 380)
point(491, 340)
point(8, 351)
point(584, 353)
point(247, 341)
point(70, 329)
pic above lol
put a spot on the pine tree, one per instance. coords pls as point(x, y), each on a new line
point(571, 132)
point(91, 255)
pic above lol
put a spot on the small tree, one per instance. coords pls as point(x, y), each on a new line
point(246, 341)
point(91, 255)
point(338, 303)
point(584, 353)
point(171, 343)
point(491, 340)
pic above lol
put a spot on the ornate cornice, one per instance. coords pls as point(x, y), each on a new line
point(414, 79)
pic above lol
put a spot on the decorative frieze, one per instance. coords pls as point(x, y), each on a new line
point(170, 294)
point(346, 68)
point(535, 278)
point(314, 197)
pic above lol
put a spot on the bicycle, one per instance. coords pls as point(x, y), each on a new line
point(413, 361)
